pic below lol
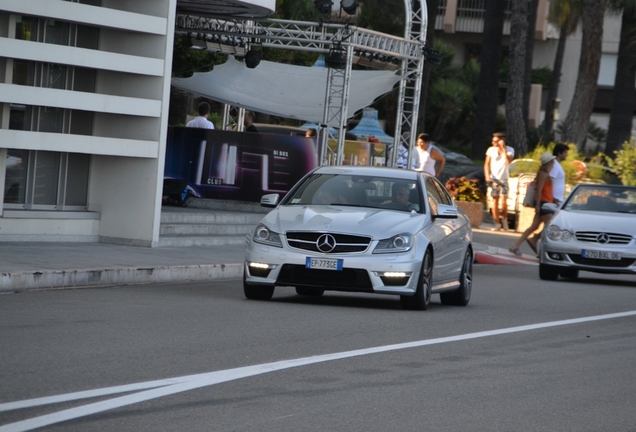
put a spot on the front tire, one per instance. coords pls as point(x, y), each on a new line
point(548, 272)
point(314, 292)
point(257, 292)
point(461, 296)
point(569, 273)
point(422, 297)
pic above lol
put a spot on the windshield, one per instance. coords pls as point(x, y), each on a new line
point(602, 199)
point(357, 191)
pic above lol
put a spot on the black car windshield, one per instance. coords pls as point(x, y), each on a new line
point(600, 198)
point(357, 191)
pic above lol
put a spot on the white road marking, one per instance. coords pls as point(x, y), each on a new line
point(160, 388)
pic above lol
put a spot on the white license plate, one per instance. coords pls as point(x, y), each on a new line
point(323, 263)
point(616, 256)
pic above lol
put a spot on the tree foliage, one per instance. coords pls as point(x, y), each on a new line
point(575, 126)
point(624, 163)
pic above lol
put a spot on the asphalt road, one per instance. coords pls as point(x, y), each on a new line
point(512, 360)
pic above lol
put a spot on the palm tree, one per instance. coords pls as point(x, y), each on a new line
point(515, 120)
point(488, 77)
point(624, 103)
point(565, 14)
point(575, 126)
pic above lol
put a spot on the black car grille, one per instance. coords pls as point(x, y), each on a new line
point(345, 280)
point(603, 238)
point(623, 262)
point(344, 243)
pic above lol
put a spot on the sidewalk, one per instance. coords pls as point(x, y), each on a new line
point(44, 265)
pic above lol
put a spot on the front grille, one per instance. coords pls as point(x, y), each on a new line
point(345, 243)
point(608, 238)
point(345, 280)
point(623, 262)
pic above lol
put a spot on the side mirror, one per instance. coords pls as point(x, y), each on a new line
point(270, 200)
point(550, 207)
point(445, 212)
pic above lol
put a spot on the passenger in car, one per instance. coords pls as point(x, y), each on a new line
point(334, 193)
point(400, 198)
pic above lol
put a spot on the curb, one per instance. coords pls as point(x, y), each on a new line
point(117, 276)
point(495, 255)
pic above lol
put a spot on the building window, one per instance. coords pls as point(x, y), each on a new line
point(46, 180)
point(43, 180)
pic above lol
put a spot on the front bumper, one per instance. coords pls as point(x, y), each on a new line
point(570, 256)
point(361, 272)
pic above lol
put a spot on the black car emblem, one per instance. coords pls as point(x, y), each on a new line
point(326, 243)
point(603, 238)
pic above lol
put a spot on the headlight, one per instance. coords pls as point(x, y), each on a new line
point(395, 244)
point(264, 235)
point(556, 233)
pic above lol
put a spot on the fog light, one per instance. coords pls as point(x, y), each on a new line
point(394, 278)
point(260, 269)
point(555, 256)
point(394, 274)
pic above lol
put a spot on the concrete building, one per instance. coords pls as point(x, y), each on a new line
point(84, 92)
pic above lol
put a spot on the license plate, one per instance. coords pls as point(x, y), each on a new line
point(616, 256)
point(323, 263)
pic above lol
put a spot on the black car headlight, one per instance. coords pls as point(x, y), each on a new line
point(264, 235)
point(555, 233)
point(395, 244)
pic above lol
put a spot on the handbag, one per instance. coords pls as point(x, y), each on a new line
point(528, 200)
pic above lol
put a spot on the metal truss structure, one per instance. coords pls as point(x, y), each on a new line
point(356, 46)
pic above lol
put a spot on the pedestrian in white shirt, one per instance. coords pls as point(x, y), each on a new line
point(558, 175)
point(429, 156)
point(498, 158)
point(201, 121)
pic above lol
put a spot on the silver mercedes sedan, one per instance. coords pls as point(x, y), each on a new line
point(366, 230)
point(593, 230)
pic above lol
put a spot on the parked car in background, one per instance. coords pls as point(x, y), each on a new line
point(522, 173)
point(458, 165)
point(365, 230)
point(593, 230)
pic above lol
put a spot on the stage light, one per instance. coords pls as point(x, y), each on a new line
point(323, 6)
point(252, 59)
point(432, 56)
point(337, 58)
point(349, 6)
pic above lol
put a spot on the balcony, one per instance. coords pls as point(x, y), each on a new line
point(467, 16)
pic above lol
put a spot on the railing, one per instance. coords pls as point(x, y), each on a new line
point(470, 16)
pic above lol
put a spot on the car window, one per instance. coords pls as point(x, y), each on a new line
point(356, 191)
point(520, 166)
point(602, 199)
point(433, 194)
point(444, 196)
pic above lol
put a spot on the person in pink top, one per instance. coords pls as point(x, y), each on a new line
point(543, 194)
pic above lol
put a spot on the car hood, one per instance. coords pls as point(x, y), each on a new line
point(377, 223)
point(595, 221)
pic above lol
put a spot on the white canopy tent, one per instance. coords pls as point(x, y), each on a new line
point(284, 90)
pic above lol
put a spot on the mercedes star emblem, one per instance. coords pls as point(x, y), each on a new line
point(602, 238)
point(326, 243)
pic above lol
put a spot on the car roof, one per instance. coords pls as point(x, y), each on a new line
point(370, 171)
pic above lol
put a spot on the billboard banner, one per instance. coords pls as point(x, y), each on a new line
point(238, 166)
